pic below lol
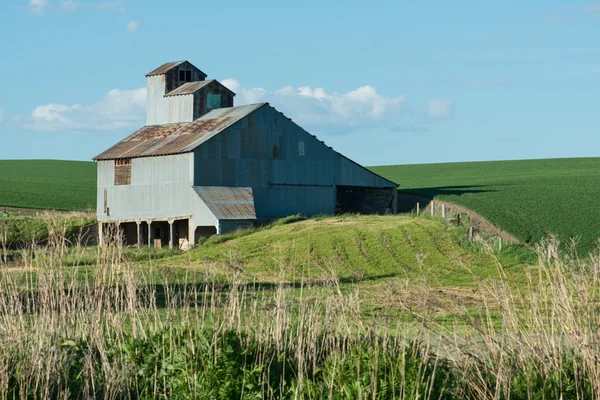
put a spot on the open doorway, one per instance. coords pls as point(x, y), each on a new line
point(364, 200)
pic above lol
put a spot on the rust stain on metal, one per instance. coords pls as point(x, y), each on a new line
point(166, 67)
point(228, 202)
point(182, 137)
point(188, 88)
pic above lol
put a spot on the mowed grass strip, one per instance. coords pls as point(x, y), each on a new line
point(352, 248)
point(527, 198)
point(48, 184)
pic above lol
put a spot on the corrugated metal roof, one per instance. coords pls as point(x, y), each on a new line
point(188, 88)
point(228, 202)
point(156, 140)
point(166, 67)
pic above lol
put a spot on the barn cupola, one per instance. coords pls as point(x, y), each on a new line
point(179, 92)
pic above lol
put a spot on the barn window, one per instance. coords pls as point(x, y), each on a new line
point(214, 100)
point(185, 75)
point(123, 171)
point(300, 148)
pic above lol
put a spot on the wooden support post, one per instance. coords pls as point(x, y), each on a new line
point(471, 231)
point(100, 234)
point(170, 233)
point(432, 208)
point(458, 219)
point(139, 234)
point(191, 233)
point(499, 244)
point(150, 234)
point(443, 211)
point(418, 209)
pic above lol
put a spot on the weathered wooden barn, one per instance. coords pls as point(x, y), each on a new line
point(201, 167)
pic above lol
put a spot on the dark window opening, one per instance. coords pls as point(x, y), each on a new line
point(364, 200)
point(185, 75)
point(123, 171)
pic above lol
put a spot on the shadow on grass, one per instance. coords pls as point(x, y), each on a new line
point(190, 294)
point(408, 198)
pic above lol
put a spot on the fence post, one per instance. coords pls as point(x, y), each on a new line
point(443, 211)
point(418, 209)
point(457, 219)
point(499, 244)
point(471, 233)
point(432, 208)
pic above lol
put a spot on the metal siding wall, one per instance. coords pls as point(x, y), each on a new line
point(179, 109)
point(167, 200)
point(288, 200)
point(351, 174)
point(106, 178)
point(155, 113)
point(162, 169)
point(166, 110)
point(243, 155)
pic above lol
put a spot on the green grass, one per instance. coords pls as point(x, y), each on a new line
point(528, 198)
point(48, 184)
point(375, 249)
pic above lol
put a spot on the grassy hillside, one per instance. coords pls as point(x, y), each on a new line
point(48, 184)
point(353, 248)
point(525, 198)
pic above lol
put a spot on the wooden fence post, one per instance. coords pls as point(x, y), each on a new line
point(443, 211)
point(418, 209)
point(499, 244)
point(432, 208)
point(457, 219)
point(471, 233)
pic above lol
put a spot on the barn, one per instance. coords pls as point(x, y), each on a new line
point(202, 167)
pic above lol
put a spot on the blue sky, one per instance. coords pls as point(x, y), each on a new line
point(397, 82)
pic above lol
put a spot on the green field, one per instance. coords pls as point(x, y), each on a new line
point(48, 184)
point(525, 198)
point(345, 307)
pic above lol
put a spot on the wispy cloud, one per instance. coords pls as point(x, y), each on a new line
point(316, 107)
point(439, 108)
point(118, 109)
point(44, 6)
point(486, 83)
point(569, 13)
point(69, 5)
point(593, 10)
point(38, 6)
point(132, 27)
point(117, 6)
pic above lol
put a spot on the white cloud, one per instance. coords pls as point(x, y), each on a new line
point(68, 5)
point(439, 108)
point(315, 107)
point(38, 6)
point(118, 109)
point(132, 27)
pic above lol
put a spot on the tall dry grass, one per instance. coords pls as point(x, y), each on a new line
point(119, 332)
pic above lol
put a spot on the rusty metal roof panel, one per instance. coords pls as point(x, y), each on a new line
point(166, 67)
point(188, 88)
point(156, 140)
point(233, 203)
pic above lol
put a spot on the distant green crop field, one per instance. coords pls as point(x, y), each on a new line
point(525, 198)
point(48, 184)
